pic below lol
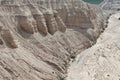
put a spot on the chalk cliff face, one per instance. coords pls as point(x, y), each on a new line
point(38, 37)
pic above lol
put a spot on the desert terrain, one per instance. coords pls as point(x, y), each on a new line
point(101, 61)
point(58, 40)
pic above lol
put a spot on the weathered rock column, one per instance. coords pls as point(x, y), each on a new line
point(51, 22)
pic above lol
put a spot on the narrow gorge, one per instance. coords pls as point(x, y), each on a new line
point(40, 38)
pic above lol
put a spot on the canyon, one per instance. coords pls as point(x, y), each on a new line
point(42, 39)
point(101, 61)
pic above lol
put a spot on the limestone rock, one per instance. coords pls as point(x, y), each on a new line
point(40, 19)
point(101, 61)
point(46, 57)
point(1, 41)
point(60, 23)
point(51, 22)
point(25, 20)
point(9, 39)
point(26, 24)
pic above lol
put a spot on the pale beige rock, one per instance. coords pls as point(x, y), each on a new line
point(60, 23)
point(51, 22)
point(9, 39)
point(101, 61)
point(40, 19)
point(38, 57)
point(27, 24)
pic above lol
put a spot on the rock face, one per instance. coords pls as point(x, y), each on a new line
point(51, 22)
point(60, 23)
point(9, 38)
point(39, 37)
point(26, 24)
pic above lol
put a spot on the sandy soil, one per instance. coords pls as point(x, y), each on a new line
point(101, 61)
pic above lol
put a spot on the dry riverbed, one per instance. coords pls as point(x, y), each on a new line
point(101, 61)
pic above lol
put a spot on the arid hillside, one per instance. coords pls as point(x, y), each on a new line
point(101, 61)
point(39, 37)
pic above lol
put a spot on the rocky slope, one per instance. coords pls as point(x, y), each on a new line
point(38, 37)
point(101, 61)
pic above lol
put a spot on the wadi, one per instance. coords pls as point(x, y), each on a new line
point(59, 40)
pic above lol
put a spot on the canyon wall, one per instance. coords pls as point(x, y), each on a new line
point(39, 37)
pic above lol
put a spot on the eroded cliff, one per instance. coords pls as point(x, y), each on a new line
point(38, 37)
